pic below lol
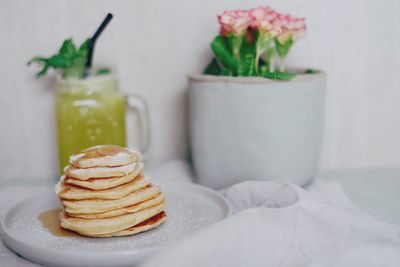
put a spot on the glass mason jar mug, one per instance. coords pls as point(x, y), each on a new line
point(92, 111)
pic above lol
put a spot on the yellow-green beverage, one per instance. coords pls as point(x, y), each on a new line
point(89, 112)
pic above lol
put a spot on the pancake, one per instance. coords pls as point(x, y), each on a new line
point(148, 224)
point(101, 205)
point(130, 209)
point(78, 193)
point(99, 172)
point(104, 156)
point(93, 227)
point(104, 193)
point(105, 183)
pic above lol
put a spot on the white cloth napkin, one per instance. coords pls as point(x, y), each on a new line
point(275, 224)
point(280, 224)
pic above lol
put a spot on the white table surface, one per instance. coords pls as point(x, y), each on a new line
point(375, 191)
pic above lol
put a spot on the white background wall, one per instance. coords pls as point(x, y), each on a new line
point(154, 44)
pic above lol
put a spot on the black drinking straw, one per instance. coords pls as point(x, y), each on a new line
point(92, 40)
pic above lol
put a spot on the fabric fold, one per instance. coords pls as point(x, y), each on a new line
point(281, 224)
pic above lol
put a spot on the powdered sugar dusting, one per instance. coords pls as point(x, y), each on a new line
point(97, 171)
point(75, 157)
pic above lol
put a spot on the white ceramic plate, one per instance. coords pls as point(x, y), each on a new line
point(189, 208)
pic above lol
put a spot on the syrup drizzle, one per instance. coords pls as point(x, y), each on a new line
point(51, 222)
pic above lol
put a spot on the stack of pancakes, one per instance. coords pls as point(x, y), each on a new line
point(104, 194)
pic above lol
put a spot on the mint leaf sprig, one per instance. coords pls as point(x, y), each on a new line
point(69, 57)
point(74, 61)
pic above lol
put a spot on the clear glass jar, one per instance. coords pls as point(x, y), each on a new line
point(91, 111)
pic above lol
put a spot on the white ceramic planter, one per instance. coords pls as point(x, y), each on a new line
point(246, 128)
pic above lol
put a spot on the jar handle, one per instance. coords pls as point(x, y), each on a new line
point(138, 105)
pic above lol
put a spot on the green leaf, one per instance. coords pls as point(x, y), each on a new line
point(37, 59)
point(84, 46)
point(235, 43)
point(247, 60)
point(43, 71)
point(283, 48)
point(263, 44)
point(58, 62)
point(84, 49)
point(102, 71)
point(286, 76)
point(227, 72)
point(264, 70)
point(310, 71)
point(270, 55)
point(40, 60)
point(222, 52)
point(77, 67)
point(213, 68)
point(68, 50)
point(247, 67)
point(69, 58)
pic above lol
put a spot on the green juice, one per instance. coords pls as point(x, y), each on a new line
point(89, 112)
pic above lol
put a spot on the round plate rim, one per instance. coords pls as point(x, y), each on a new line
point(26, 250)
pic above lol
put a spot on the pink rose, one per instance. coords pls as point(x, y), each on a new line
point(262, 14)
point(264, 19)
point(234, 22)
point(270, 27)
point(297, 28)
point(294, 27)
